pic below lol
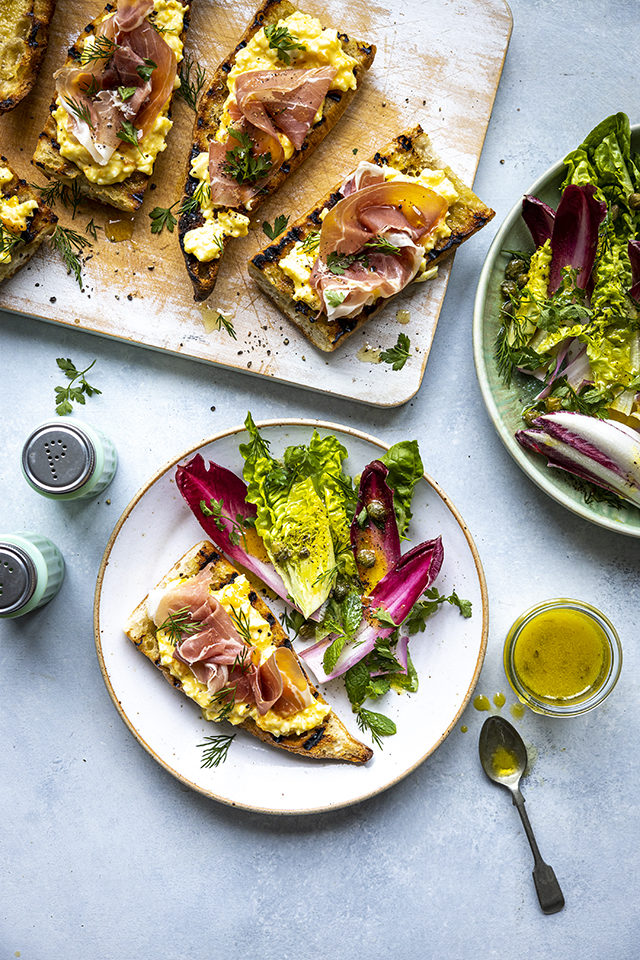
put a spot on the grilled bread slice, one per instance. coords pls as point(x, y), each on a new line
point(24, 34)
point(18, 245)
point(328, 740)
point(126, 194)
point(203, 273)
point(410, 153)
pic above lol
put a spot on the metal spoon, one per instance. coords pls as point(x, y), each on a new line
point(503, 756)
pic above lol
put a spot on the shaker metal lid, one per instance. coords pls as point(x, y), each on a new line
point(17, 577)
point(58, 458)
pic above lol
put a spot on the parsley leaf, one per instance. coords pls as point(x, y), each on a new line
point(125, 93)
point(282, 42)
point(145, 71)
point(335, 297)
point(129, 134)
point(399, 354)
point(65, 396)
point(279, 224)
point(242, 164)
point(162, 217)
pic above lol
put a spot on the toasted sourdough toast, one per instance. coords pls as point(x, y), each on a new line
point(203, 274)
point(127, 194)
point(20, 245)
point(24, 34)
point(329, 740)
point(410, 153)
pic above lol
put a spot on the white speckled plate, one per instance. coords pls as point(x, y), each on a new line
point(157, 528)
point(505, 404)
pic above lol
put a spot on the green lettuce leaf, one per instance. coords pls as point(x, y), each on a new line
point(405, 469)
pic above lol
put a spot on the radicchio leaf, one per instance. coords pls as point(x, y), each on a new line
point(374, 528)
point(196, 483)
point(396, 593)
point(574, 240)
point(539, 218)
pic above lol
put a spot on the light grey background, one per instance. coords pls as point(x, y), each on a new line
point(105, 855)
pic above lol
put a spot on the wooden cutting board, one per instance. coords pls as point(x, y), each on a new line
point(437, 64)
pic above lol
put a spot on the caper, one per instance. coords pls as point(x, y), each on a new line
point(514, 268)
point(521, 280)
point(303, 553)
point(376, 510)
point(365, 557)
point(508, 288)
point(340, 591)
point(634, 201)
point(281, 552)
point(508, 308)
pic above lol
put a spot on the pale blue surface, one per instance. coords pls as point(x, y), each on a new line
point(106, 856)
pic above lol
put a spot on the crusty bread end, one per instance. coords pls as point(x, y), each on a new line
point(39, 226)
point(24, 34)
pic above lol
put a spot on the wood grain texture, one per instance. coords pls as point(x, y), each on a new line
point(436, 64)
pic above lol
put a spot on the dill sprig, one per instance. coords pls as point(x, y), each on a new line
point(179, 624)
point(70, 245)
point(69, 194)
point(8, 241)
point(192, 79)
point(216, 749)
point(242, 624)
point(81, 110)
point(199, 198)
point(100, 48)
point(376, 723)
point(311, 242)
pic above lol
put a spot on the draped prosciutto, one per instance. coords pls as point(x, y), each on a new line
point(223, 661)
point(127, 77)
point(267, 103)
point(355, 266)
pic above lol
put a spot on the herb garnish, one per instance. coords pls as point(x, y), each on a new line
point(100, 48)
point(125, 93)
point(162, 217)
point(242, 164)
point(236, 534)
point(335, 297)
point(65, 396)
point(129, 134)
point(279, 225)
point(200, 197)
point(179, 624)
point(338, 263)
point(69, 194)
point(311, 242)
point(145, 71)
point(216, 750)
point(190, 89)
point(81, 110)
point(282, 42)
point(8, 241)
point(92, 229)
point(399, 354)
point(70, 245)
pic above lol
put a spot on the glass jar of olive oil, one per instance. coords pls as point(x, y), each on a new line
point(562, 657)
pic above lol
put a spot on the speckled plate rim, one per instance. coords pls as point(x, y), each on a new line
point(485, 327)
point(126, 515)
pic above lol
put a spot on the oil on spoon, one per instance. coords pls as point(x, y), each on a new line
point(503, 756)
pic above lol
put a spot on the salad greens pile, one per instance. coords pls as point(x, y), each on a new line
point(329, 545)
point(571, 316)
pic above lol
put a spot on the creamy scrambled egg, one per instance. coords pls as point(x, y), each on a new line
point(168, 16)
point(298, 263)
point(207, 242)
point(234, 597)
point(322, 48)
point(14, 214)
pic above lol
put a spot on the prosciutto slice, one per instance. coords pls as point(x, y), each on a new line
point(221, 660)
point(403, 213)
point(91, 93)
point(267, 103)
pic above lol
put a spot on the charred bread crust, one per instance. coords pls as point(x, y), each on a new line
point(22, 53)
point(203, 275)
point(411, 153)
point(329, 741)
point(40, 224)
point(126, 195)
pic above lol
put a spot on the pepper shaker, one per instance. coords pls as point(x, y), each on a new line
point(31, 573)
point(68, 461)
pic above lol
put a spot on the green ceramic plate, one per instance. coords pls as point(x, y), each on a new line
point(504, 404)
